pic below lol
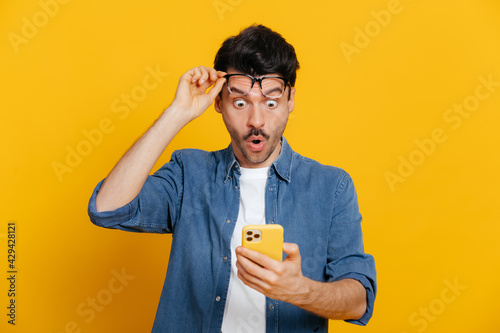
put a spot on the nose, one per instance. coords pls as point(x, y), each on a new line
point(256, 117)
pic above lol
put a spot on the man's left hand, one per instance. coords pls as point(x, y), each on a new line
point(275, 279)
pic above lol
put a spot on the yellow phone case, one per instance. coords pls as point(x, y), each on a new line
point(266, 239)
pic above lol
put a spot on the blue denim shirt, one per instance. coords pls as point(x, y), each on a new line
point(196, 197)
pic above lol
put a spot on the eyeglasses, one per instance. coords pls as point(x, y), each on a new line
point(242, 84)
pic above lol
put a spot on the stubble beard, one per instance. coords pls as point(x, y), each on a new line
point(272, 140)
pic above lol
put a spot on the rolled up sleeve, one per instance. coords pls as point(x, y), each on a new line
point(153, 210)
point(346, 256)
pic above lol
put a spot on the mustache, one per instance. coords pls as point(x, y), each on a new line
point(256, 132)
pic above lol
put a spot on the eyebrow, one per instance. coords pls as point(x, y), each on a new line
point(236, 90)
point(268, 92)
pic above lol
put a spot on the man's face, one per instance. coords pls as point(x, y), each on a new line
point(255, 123)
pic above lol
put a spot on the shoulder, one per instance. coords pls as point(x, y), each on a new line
point(306, 164)
point(196, 160)
point(199, 155)
point(191, 154)
point(326, 184)
point(307, 170)
point(192, 165)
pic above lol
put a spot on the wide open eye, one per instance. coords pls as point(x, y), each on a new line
point(271, 103)
point(240, 103)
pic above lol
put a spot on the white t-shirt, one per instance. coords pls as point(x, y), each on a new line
point(245, 310)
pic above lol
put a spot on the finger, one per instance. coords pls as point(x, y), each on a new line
point(220, 74)
point(250, 281)
point(248, 265)
point(217, 87)
point(253, 282)
point(257, 257)
point(291, 249)
point(196, 74)
point(214, 75)
point(252, 270)
point(204, 74)
point(252, 274)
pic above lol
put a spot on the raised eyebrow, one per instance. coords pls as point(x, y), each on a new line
point(236, 90)
point(268, 92)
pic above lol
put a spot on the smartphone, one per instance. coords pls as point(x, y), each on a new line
point(265, 238)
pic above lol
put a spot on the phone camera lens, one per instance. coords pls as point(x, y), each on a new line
point(256, 235)
point(249, 232)
point(249, 239)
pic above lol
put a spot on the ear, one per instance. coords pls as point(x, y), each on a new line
point(218, 104)
point(291, 100)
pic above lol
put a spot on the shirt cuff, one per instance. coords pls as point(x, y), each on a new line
point(109, 219)
point(370, 297)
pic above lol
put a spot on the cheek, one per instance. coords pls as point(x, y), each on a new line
point(278, 123)
point(233, 122)
point(279, 117)
point(233, 117)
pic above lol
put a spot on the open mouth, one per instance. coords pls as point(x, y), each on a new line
point(256, 140)
point(256, 145)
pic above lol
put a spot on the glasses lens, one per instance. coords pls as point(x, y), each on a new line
point(241, 85)
point(273, 87)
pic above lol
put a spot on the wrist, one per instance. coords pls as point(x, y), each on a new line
point(173, 117)
point(305, 293)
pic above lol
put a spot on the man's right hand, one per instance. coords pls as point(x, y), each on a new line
point(126, 179)
point(192, 97)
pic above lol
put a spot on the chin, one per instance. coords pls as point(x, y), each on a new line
point(257, 158)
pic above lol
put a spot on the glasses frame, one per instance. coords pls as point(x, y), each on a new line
point(259, 80)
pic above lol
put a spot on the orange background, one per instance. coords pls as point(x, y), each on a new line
point(394, 92)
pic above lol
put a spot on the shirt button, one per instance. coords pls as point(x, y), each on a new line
point(217, 298)
point(271, 222)
point(228, 221)
point(271, 307)
point(236, 187)
point(225, 258)
point(270, 189)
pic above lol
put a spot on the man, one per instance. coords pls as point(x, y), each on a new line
point(205, 198)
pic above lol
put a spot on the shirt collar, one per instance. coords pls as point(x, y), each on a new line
point(282, 165)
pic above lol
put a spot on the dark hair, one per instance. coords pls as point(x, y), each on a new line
point(257, 50)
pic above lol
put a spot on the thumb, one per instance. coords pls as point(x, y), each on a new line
point(292, 250)
point(217, 87)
